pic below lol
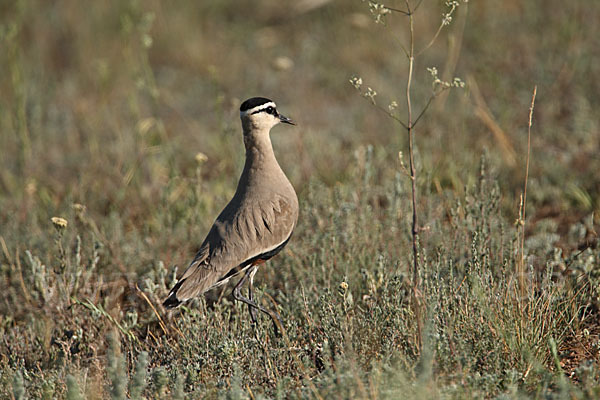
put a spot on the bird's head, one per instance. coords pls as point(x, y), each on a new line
point(259, 113)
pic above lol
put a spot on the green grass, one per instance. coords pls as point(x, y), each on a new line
point(105, 105)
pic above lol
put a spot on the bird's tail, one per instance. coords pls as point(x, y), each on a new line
point(197, 279)
point(172, 301)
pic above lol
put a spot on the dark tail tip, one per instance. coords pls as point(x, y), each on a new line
point(171, 301)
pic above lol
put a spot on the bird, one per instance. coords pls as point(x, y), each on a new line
point(255, 225)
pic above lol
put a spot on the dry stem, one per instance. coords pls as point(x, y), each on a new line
point(521, 261)
point(415, 221)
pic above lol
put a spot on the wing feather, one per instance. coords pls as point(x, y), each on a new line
point(240, 233)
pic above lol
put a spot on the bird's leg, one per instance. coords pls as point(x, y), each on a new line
point(252, 310)
point(277, 324)
point(275, 317)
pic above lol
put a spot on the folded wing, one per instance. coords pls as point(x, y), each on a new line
point(244, 232)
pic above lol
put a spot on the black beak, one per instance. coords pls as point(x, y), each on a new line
point(286, 120)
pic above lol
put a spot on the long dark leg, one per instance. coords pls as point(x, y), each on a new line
point(252, 304)
point(252, 270)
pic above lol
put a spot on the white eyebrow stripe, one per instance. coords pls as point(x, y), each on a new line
point(258, 108)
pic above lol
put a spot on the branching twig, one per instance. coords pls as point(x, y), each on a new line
point(431, 98)
point(407, 13)
point(433, 39)
point(417, 6)
point(391, 116)
point(445, 21)
point(439, 86)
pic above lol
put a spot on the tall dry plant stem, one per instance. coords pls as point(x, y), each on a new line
point(521, 261)
point(416, 291)
point(439, 86)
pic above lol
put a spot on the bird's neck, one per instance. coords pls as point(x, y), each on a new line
point(259, 149)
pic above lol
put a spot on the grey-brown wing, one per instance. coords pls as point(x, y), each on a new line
point(240, 233)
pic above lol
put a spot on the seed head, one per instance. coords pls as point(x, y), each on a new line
point(78, 208)
point(59, 223)
point(201, 158)
point(370, 93)
point(356, 81)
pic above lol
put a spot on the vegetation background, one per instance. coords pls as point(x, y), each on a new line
point(122, 118)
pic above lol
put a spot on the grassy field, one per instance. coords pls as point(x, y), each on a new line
point(121, 117)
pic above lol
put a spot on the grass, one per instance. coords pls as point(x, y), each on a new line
point(105, 107)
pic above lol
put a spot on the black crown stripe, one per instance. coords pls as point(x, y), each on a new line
point(253, 102)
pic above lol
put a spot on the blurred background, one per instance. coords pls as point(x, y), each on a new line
point(122, 117)
point(106, 103)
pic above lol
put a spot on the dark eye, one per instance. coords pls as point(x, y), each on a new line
point(270, 110)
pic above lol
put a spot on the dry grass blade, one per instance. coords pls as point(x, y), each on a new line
point(521, 261)
point(160, 321)
point(483, 112)
point(21, 280)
